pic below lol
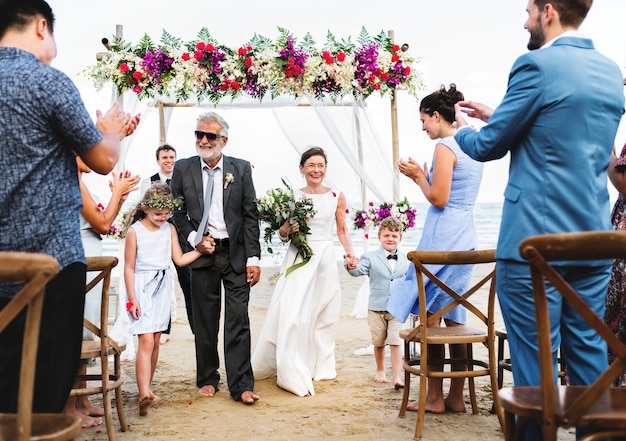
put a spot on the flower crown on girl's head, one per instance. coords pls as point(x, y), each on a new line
point(161, 202)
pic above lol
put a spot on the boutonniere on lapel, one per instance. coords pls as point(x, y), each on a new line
point(228, 179)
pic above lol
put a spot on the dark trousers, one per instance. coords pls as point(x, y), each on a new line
point(206, 298)
point(58, 352)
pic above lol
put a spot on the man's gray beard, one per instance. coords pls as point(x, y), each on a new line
point(209, 154)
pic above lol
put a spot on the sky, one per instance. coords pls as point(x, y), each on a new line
point(472, 43)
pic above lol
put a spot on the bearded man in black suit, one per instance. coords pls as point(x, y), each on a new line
point(223, 225)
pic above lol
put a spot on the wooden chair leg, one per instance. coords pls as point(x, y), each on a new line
point(421, 414)
point(407, 382)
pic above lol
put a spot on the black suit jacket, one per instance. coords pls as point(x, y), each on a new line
point(240, 207)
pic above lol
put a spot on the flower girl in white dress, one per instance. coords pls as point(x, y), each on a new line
point(151, 242)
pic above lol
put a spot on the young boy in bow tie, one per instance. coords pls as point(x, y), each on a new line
point(383, 266)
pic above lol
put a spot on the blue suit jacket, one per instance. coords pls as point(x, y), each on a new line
point(558, 119)
point(375, 265)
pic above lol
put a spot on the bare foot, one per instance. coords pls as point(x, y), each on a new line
point(455, 406)
point(380, 377)
point(144, 405)
point(414, 407)
point(155, 398)
point(249, 397)
point(84, 407)
point(397, 385)
point(86, 420)
point(164, 338)
point(207, 391)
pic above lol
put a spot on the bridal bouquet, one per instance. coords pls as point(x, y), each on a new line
point(280, 205)
point(403, 211)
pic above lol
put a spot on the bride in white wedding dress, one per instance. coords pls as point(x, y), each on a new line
point(297, 341)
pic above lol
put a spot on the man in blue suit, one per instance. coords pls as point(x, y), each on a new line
point(559, 119)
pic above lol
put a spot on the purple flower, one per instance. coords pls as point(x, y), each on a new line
point(157, 63)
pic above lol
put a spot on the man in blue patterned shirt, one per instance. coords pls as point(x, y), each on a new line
point(43, 126)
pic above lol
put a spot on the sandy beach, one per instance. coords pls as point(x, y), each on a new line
point(351, 407)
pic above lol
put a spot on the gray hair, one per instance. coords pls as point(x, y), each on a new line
point(214, 117)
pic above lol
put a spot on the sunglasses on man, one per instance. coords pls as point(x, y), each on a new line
point(209, 136)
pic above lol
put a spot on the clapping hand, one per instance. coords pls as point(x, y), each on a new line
point(117, 122)
point(412, 169)
point(124, 183)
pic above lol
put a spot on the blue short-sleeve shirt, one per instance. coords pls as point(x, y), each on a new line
point(43, 125)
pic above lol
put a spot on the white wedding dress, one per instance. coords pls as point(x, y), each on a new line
point(297, 341)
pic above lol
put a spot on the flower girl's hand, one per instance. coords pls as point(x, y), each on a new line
point(134, 310)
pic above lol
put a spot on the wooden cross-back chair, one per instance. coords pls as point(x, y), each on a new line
point(598, 407)
point(103, 347)
point(425, 333)
point(35, 270)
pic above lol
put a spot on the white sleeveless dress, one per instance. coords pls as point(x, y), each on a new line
point(297, 341)
point(152, 279)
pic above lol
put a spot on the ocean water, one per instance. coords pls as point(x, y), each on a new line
point(486, 217)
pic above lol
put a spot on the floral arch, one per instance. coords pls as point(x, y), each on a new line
point(267, 73)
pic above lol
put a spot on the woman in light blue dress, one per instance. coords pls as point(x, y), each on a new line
point(451, 186)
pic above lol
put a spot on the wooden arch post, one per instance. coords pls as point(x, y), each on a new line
point(395, 151)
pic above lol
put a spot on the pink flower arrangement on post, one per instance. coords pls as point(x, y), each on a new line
point(372, 217)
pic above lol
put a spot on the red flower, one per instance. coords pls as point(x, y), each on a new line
point(367, 236)
point(395, 57)
point(224, 86)
point(129, 305)
point(407, 70)
point(200, 46)
point(384, 76)
point(241, 52)
point(347, 211)
point(249, 48)
point(198, 55)
point(235, 85)
point(341, 56)
point(137, 76)
point(210, 47)
point(376, 86)
point(248, 62)
point(330, 60)
point(186, 56)
point(395, 48)
point(371, 204)
point(334, 194)
point(124, 67)
point(137, 89)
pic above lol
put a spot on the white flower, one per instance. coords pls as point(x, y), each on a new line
point(229, 178)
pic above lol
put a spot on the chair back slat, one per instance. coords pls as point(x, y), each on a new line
point(35, 270)
point(540, 251)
